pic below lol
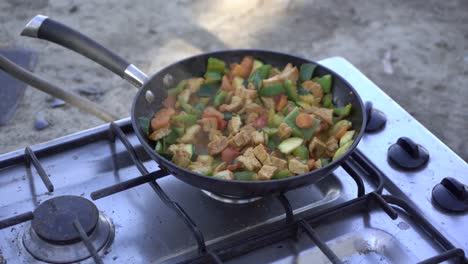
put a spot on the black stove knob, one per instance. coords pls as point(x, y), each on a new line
point(407, 155)
point(451, 195)
point(376, 119)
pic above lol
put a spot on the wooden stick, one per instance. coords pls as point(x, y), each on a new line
point(81, 103)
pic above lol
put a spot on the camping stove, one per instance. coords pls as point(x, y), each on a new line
point(96, 197)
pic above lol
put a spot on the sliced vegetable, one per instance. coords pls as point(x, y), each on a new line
point(215, 65)
point(237, 82)
point(171, 138)
point(219, 98)
point(340, 128)
point(229, 154)
point(204, 100)
point(256, 65)
point(269, 130)
point(325, 82)
point(213, 77)
point(346, 137)
point(306, 71)
point(186, 119)
point(145, 125)
point(281, 174)
point(301, 152)
point(179, 131)
point(273, 141)
point(324, 162)
point(245, 175)
point(185, 105)
point(309, 132)
point(208, 90)
point(179, 88)
point(159, 147)
point(291, 90)
point(343, 149)
point(273, 89)
point(305, 133)
point(190, 148)
point(283, 101)
point(327, 100)
point(343, 111)
point(304, 120)
point(290, 144)
point(259, 74)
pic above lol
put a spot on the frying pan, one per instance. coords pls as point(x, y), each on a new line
point(153, 91)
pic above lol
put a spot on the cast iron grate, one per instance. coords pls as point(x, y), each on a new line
point(356, 166)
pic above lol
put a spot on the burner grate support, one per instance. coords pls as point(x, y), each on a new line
point(116, 131)
point(31, 158)
point(89, 246)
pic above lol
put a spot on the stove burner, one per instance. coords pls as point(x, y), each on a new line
point(230, 199)
point(53, 219)
point(51, 236)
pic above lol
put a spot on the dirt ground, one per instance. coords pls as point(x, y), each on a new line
point(424, 44)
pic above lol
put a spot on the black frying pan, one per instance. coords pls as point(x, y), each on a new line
point(152, 92)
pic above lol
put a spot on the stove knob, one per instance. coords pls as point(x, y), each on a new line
point(451, 195)
point(376, 119)
point(407, 155)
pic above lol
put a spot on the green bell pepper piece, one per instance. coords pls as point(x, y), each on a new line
point(306, 71)
point(215, 65)
point(187, 108)
point(245, 176)
point(273, 141)
point(308, 132)
point(208, 90)
point(187, 119)
point(259, 74)
point(291, 90)
point(342, 111)
point(171, 138)
point(301, 152)
point(179, 131)
point(341, 150)
point(159, 147)
point(213, 77)
point(305, 133)
point(270, 130)
point(273, 89)
point(145, 124)
point(325, 82)
point(219, 98)
point(257, 64)
point(324, 162)
point(179, 88)
point(327, 100)
point(281, 174)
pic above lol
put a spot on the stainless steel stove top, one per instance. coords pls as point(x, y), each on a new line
point(148, 230)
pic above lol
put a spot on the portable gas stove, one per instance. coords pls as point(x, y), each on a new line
point(95, 197)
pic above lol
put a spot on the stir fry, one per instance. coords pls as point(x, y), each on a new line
point(251, 121)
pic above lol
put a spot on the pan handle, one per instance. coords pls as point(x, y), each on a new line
point(45, 28)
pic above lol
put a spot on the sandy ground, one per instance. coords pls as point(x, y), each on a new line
point(427, 42)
